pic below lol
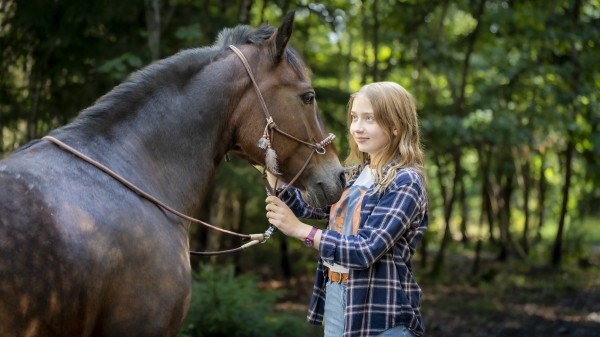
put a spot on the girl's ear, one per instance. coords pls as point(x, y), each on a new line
point(395, 132)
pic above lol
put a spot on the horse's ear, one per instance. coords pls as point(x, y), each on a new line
point(283, 34)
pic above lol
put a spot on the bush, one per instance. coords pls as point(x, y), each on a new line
point(224, 305)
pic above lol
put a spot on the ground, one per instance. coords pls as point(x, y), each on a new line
point(499, 311)
point(505, 300)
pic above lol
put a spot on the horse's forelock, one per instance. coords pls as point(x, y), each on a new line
point(244, 34)
point(296, 63)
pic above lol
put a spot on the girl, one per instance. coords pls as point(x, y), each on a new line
point(364, 284)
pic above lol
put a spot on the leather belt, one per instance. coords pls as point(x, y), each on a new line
point(337, 277)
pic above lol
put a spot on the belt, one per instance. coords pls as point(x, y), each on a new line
point(337, 277)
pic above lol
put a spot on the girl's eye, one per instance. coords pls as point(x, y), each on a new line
point(308, 98)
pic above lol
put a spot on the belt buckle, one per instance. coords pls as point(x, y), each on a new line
point(340, 277)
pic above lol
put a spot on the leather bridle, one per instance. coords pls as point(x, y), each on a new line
point(318, 148)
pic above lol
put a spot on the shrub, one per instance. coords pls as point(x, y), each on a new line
point(225, 305)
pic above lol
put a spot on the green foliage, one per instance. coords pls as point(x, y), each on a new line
point(509, 84)
point(119, 67)
point(225, 305)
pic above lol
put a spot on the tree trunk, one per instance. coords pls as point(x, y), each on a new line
point(557, 247)
point(215, 238)
point(508, 193)
point(245, 8)
point(487, 209)
point(464, 218)
point(477, 260)
point(523, 175)
point(483, 209)
point(285, 6)
point(526, 193)
point(240, 225)
point(497, 206)
point(375, 39)
point(460, 100)
point(153, 25)
point(35, 88)
point(448, 200)
point(365, 37)
point(541, 200)
point(569, 153)
point(285, 257)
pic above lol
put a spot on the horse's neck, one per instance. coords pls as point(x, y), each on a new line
point(169, 148)
point(167, 127)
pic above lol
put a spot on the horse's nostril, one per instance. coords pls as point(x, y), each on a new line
point(343, 179)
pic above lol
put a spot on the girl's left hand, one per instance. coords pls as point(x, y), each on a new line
point(282, 217)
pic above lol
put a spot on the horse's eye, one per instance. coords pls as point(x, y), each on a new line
point(308, 98)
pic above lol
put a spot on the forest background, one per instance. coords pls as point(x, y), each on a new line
point(508, 97)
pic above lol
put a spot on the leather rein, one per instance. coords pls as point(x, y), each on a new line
point(318, 148)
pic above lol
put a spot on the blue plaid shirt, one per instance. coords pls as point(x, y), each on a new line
point(382, 292)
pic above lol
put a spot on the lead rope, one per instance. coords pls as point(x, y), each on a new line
point(254, 238)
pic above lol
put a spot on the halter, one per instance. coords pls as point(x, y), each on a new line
point(318, 147)
point(265, 141)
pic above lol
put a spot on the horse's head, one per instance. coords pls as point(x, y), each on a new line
point(285, 134)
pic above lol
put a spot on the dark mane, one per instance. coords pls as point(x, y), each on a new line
point(175, 71)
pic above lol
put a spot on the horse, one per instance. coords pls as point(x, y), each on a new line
point(81, 254)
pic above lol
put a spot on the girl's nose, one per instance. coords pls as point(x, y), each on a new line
point(356, 127)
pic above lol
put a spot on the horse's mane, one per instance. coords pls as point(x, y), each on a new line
point(176, 71)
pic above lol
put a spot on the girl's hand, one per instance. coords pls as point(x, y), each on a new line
point(282, 217)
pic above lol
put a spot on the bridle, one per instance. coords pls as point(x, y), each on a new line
point(318, 148)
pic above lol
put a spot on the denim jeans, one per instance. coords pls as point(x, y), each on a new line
point(398, 331)
point(335, 307)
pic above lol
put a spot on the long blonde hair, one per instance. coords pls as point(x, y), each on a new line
point(394, 109)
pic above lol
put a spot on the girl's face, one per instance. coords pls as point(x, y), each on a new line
point(365, 131)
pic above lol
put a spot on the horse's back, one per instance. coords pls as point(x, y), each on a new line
point(73, 262)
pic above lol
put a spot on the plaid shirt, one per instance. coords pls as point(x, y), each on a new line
point(382, 292)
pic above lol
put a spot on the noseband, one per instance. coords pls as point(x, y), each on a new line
point(318, 148)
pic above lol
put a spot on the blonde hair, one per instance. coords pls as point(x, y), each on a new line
point(394, 110)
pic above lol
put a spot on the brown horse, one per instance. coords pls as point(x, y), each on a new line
point(83, 255)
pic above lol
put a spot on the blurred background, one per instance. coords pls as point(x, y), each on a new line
point(508, 97)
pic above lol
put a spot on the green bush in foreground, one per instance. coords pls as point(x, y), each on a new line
point(225, 305)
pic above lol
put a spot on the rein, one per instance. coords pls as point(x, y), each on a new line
point(318, 147)
point(254, 238)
